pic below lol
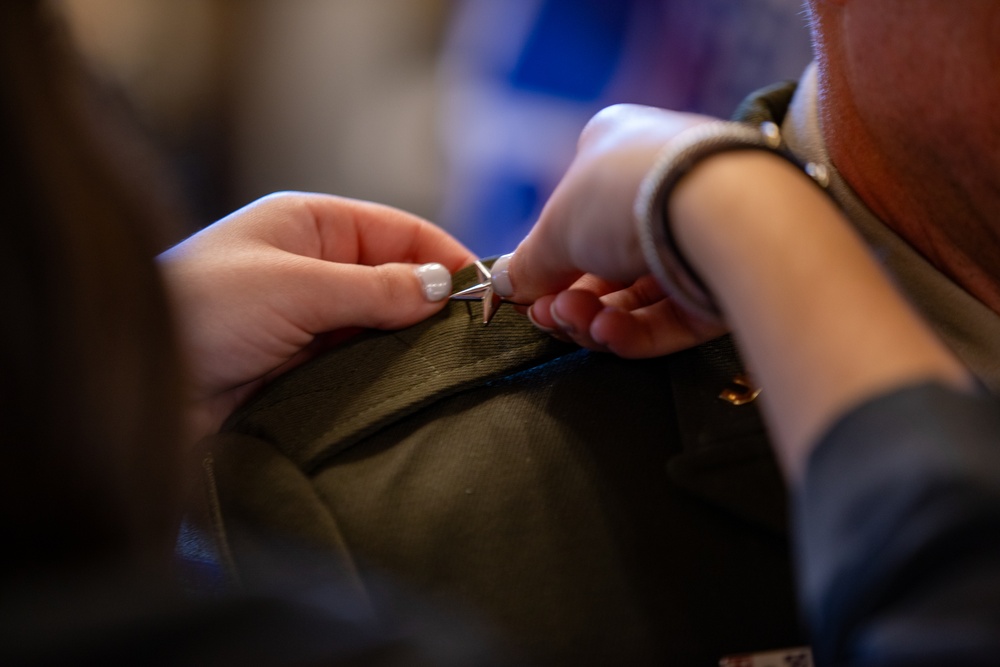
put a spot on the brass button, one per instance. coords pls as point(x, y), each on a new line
point(740, 391)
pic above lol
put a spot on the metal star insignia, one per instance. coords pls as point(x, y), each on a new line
point(482, 292)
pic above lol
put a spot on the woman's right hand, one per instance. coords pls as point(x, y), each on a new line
point(581, 267)
point(815, 316)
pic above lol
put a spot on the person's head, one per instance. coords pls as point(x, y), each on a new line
point(919, 71)
point(908, 108)
point(89, 405)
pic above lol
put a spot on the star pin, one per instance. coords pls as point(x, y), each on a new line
point(482, 292)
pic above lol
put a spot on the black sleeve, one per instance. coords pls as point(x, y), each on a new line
point(898, 533)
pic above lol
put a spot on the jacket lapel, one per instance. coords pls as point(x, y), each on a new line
point(725, 455)
point(378, 378)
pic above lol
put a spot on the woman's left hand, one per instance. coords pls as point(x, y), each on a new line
point(270, 285)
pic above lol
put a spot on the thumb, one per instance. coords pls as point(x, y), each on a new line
point(540, 265)
point(386, 296)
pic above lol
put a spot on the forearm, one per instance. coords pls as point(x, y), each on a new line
point(819, 323)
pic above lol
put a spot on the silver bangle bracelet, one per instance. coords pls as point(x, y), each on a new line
point(662, 256)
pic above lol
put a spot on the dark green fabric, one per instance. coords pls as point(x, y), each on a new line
point(382, 377)
point(767, 104)
point(591, 510)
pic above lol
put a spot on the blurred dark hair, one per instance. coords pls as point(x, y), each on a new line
point(90, 400)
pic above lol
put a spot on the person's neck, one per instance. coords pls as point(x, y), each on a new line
point(944, 204)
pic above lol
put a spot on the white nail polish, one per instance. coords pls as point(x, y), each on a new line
point(435, 279)
point(501, 276)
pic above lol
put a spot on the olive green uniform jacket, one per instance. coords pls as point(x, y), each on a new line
point(588, 510)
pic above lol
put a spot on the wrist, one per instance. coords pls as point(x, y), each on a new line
point(734, 207)
point(686, 152)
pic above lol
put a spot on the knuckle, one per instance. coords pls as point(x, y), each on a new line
point(392, 294)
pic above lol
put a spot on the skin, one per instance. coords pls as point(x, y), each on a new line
point(584, 239)
point(821, 326)
point(854, 336)
point(269, 286)
point(912, 83)
point(904, 80)
point(908, 115)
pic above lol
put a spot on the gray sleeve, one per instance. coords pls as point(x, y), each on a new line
point(898, 532)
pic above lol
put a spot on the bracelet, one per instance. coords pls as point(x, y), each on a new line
point(656, 239)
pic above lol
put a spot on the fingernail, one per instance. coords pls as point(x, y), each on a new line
point(600, 339)
point(501, 276)
point(563, 324)
point(435, 280)
point(531, 317)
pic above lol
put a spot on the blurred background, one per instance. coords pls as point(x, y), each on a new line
point(463, 111)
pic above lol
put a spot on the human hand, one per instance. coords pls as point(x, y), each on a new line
point(272, 284)
point(581, 266)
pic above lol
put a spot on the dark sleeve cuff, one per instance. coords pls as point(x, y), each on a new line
point(898, 532)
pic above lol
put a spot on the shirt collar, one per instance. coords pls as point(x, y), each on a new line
point(970, 328)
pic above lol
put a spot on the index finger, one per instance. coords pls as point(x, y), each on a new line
point(376, 234)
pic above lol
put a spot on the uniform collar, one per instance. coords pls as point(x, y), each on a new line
point(970, 328)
